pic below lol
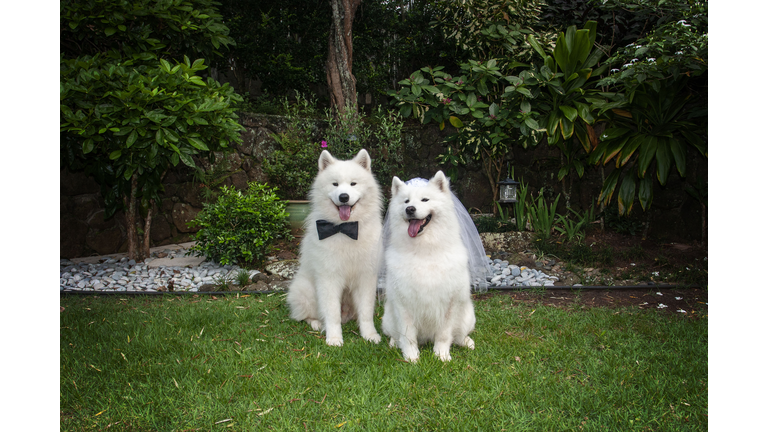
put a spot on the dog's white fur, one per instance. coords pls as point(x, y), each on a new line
point(337, 276)
point(427, 276)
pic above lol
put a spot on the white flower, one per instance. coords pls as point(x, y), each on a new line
point(681, 311)
point(633, 60)
point(678, 298)
point(679, 53)
point(661, 306)
point(655, 274)
point(614, 70)
point(651, 60)
point(631, 264)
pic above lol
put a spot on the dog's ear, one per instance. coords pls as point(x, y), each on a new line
point(363, 159)
point(441, 181)
point(397, 184)
point(325, 160)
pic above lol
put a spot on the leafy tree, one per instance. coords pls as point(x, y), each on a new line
point(659, 109)
point(129, 110)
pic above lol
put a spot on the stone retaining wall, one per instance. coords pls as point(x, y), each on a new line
point(85, 232)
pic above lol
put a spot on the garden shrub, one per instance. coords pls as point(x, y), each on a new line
point(241, 227)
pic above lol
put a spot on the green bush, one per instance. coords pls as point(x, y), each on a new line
point(240, 227)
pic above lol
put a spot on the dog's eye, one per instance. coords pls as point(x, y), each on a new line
point(407, 201)
point(335, 184)
point(424, 199)
point(352, 184)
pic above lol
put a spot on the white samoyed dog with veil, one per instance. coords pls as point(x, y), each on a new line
point(340, 252)
point(432, 258)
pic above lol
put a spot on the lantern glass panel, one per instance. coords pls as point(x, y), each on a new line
point(508, 192)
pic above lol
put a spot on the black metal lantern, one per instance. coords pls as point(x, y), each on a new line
point(508, 191)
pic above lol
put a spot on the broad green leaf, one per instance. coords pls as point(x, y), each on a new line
point(88, 146)
point(115, 154)
point(109, 31)
point(416, 90)
point(198, 144)
point(678, 152)
point(629, 149)
point(187, 159)
point(614, 147)
point(531, 123)
point(613, 133)
point(647, 154)
point(570, 112)
point(552, 123)
point(456, 122)
point(663, 160)
point(609, 186)
point(525, 106)
point(493, 109)
point(131, 138)
point(562, 173)
point(566, 127)
point(626, 194)
point(645, 192)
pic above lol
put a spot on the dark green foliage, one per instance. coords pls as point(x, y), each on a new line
point(132, 104)
point(240, 227)
point(121, 118)
point(622, 224)
point(142, 29)
point(492, 224)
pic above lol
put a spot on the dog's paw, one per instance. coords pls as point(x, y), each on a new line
point(334, 341)
point(469, 343)
point(375, 338)
point(392, 342)
point(315, 324)
point(411, 354)
point(443, 355)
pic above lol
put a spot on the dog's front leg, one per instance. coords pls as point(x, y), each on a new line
point(365, 303)
point(329, 306)
point(408, 340)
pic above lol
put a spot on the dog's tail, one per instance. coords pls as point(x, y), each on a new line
point(301, 299)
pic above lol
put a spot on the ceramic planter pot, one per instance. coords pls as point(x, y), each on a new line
point(298, 210)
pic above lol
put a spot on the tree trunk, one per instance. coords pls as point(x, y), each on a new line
point(341, 82)
point(130, 220)
point(147, 226)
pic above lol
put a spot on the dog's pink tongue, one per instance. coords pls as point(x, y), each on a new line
point(413, 227)
point(344, 212)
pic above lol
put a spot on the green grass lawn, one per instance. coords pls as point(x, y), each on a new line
point(208, 363)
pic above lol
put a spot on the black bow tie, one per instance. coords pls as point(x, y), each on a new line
point(326, 229)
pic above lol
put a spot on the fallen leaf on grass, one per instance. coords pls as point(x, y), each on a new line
point(225, 420)
point(517, 358)
point(267, 411)
point(99, 413)
point(341, 424)
point(174, 381)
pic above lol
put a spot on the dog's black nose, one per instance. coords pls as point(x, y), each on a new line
point(410, 210)
point(344, 198)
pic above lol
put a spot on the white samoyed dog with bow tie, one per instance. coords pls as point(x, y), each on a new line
point(340, 251)
point(427, 271)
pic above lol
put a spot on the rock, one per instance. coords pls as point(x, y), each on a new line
point(286, 268)
point(183, 214)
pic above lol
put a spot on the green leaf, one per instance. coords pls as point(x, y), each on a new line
point(570, 113)
point(456, 122)
point(531, 123)
point(525, 106)
point(645, 192)
point(613, 133)
point(88, 146)
point(109, 31)
point(626, 194)
point(566, 127)
point(198, 144)
point(663, 160)
point(131, 138)
point(629, 149)
point(609, 186)
point(187, 159)
point(552, 122)
point(115, 154)
point(678, 151)
point(493, 109)
point(647, 153)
